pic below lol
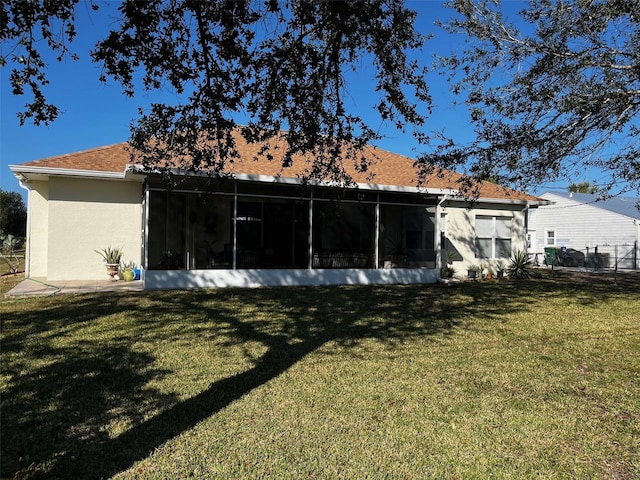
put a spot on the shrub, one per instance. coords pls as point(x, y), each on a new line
point(520, 266)
point(171, 260)
point(9, 245)
point(447, 271)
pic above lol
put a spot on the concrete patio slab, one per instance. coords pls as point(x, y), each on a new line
point(34, 287)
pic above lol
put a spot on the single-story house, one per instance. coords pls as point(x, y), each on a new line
point(600, 233)
point(263, 225)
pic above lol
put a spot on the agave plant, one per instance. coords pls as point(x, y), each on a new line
point(520, 266)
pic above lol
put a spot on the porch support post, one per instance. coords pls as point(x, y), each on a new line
point(636, 246)
point(145, 227)
point(438, 235)
point(377, 234)
point(234, 248)
point(310, 238)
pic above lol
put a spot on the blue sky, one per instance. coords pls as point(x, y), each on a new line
point(96, 114)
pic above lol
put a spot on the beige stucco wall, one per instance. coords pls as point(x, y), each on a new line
point(37, 229)
point(87, 215)
point(460, 230)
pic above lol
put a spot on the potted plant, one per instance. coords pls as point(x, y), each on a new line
point(483, 269)
point(398, 253)
point(472, 271)
point(111, 257)
point(500, 267)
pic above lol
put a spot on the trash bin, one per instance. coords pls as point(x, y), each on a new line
point(551, 255)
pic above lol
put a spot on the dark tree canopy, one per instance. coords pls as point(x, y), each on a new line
point(24, 27)
point(13, 214)
point(550, 96)
point(280, 63)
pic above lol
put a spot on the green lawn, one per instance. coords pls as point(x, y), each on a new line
point(532, 379)
point(8, 281)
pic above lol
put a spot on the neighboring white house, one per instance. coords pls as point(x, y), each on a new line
point(260, 227)
point(581, 222)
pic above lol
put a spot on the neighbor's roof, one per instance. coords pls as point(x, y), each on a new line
point(620, 205)
point(388, 169)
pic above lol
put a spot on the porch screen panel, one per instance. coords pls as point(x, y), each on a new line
point(420, 236)
point(407, 236)
point(210, 231)
point(343, 235)
point(285, 233)
point(167, 223)
point(157, 227)
point(272, 233)
point(249, 232)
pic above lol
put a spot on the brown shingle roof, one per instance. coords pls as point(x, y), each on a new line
point(389, 169)
point(112, 158)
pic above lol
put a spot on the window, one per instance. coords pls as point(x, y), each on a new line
point(493, 237)
point(550, 240)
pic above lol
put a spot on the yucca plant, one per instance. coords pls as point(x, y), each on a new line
point(447, 271)
point(520, 266)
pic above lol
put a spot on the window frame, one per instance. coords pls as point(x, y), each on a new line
point(546, 237)
point(494, 239)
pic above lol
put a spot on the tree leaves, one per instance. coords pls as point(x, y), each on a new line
point(281, 64)
point(552, 96)
point(29, 23)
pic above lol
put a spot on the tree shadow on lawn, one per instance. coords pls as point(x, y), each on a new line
point(54, 417)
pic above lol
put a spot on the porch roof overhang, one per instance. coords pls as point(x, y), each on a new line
point(138, 173)
point(443, 193)
point(139, 170)
point(27, 173)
